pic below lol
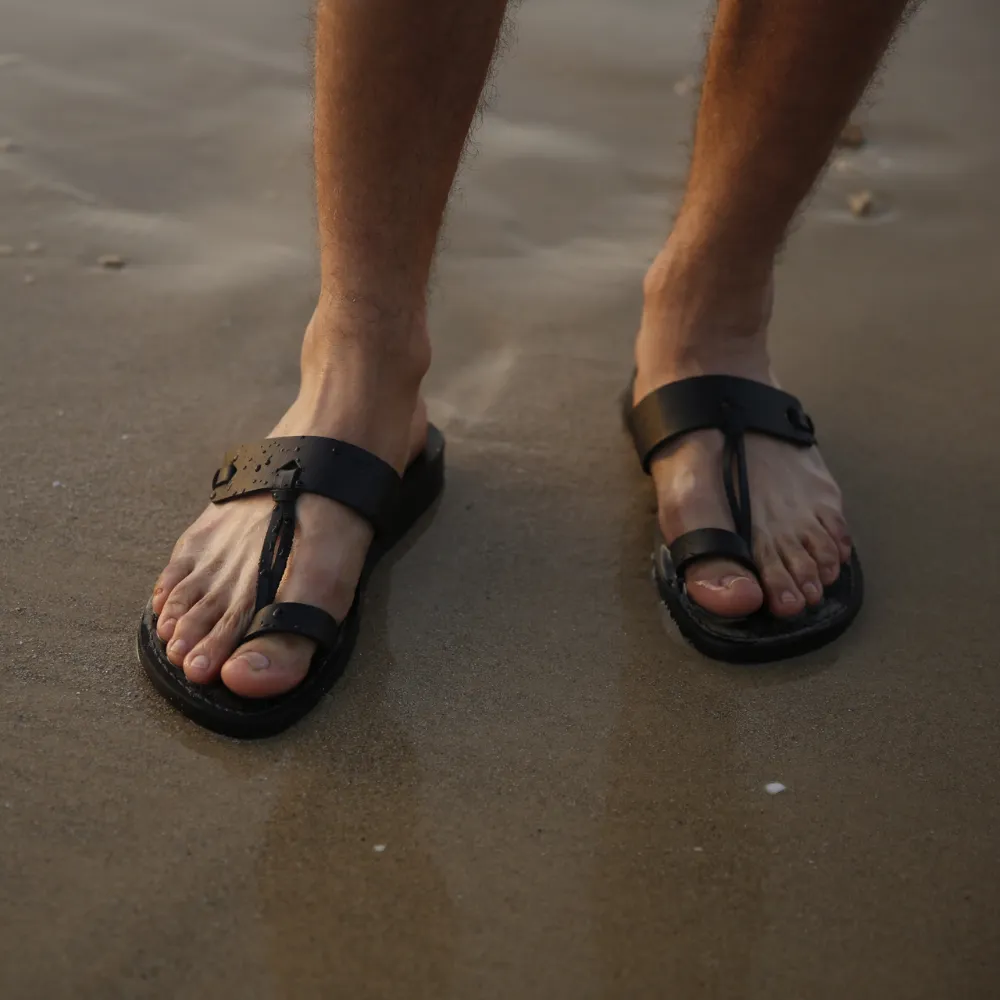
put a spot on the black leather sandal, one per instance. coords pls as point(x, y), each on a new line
point(288, 467)
point(735, 406)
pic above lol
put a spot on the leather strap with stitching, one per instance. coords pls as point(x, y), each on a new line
point(334, 469)
point(724, 402)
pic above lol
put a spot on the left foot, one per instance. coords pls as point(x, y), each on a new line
point(800, 537)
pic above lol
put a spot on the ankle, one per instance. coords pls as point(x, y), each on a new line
point(386, 350)
point(712, 274)
point(704, 312)
point(361, 384)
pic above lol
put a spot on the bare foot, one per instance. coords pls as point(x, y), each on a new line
point(204, 597)
point(800, 537)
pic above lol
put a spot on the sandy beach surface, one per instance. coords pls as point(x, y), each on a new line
point(523, 787)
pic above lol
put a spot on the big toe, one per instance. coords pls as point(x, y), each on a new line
point(268, 667)
point(724, 588)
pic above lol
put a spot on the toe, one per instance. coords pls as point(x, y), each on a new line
point(783, 595)
point(803, 569)
point(825, 552)
point(267, 667)
point(724, 588)
point(182, 598)
point(172, 575)
point(194, 625)
point(204, 663)
point(836, 527)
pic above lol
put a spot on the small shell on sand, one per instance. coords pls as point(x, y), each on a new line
point(685, 85)
point(861, 204)
point(774, 788)
point(852, 136)
point(28, 279)
point(111, 261)
point(33, 247)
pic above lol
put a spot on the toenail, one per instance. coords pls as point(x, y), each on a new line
point(199, 664)
point(789, 598)
point(178, 647)
point(255, 661)
point(725, 583)
point(157, 592)
point(810, 590)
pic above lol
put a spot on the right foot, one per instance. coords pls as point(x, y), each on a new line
point(800, 537)
point(204, 597)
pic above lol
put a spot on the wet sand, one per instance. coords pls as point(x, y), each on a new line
point(571, 804)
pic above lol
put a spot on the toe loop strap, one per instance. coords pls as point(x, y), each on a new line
point(295, 619)
point(710, 543)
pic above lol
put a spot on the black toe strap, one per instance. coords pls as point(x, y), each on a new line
point(710, 543)
point(732, 405)
point(295, 619)
point(334, 469)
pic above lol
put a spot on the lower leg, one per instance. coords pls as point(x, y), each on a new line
point(397, 86)
point(780, 81)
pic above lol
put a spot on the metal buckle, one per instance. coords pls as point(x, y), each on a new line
point(285, 480)
point(801, 420)
point(223, 476)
